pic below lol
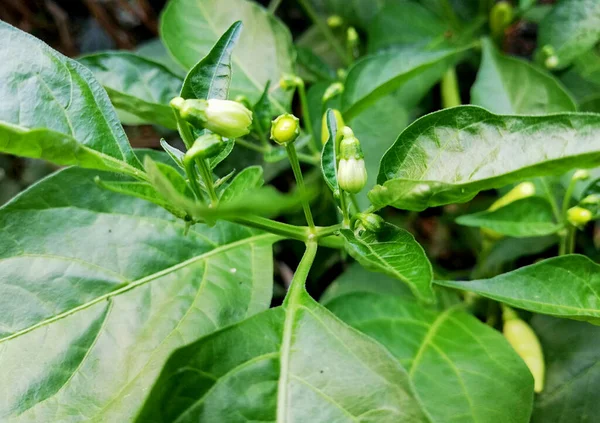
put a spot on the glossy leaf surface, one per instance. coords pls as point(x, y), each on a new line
point(190, 28)
point(137, 86)
point(462, 370)
point(395, 252)
point(565, 286)
point(329, 154)
point(511, 86)
point(571, 28)
point(54, 109)
point(448, 156)
point(523, 218)
point(99, 288)
point(274, 353)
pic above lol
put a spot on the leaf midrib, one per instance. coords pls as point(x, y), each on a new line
point(140, 282)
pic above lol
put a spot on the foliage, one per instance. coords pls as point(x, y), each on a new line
point(138, 285)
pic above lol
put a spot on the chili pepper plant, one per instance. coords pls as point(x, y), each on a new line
point(427, 172)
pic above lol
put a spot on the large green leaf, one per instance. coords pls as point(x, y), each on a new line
point(294, 363)
point(378, 75)
point(98, 289)
point(54, 109)
point(511, 86)
point(448, 156)
point(523, 218)
point(571, 28)
point(565, 286)
point(583, 80)
point(190, 28)
point(137, 86)
point(396, 253)
point(462, 370)
point(156, 51)
point(572, 355)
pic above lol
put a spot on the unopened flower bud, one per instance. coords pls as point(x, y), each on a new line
point(591, 199)
point(324, 131)
point(333, 90)
point(525, 342)
point(224, 117)
point(289, 81)
point(370, 221)
point(205, 146)
point(352, 36)
point(352, 173)
point(580, 175)
point(578, 216)
point(551, 62)
point(335, 21)
point(285, 129)
point(523, 190)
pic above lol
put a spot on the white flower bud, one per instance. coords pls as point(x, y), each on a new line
point(227, 118)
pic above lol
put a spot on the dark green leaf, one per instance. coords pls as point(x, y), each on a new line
point(264, 52)
point(378, 75)
point(508, 85)
point(571, 28)
point(395, 252)
point(572, 355)
point(229, 146)
point(329, 155)
point(461, 369)
point(523, 218)
point(98, 289)
point(314, 65)
point(137, 86)
point(156, 51)
point(175, 154)
point(565, 286)
point(54, 109)
point(448, 156)
point(583, 80)
point(211, 76)
point(249, 179)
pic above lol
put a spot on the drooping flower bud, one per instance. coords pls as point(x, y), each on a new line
point(224, 117)
point(501, 15)
point(333, 90)
point(352, 173)
point(324, 131)
point(525, 342)
point(523, 190)
point(580, 175)
point(578, 216)
point(205, 146)
point(289, 81)
point(285, 129)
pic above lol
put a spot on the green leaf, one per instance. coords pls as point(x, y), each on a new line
point(571, 28)
point(377, 75)
point(395, 252)
point(527, 217)
point(508, 85)
point(448, 156)
point(174, 153)
point(329, 154)
point(461, 369)
point(137, 86)
point(353, 12)
point(565, 286)
point(251, 178)
point(264, 369)
point(314, 65)
point(264, 52)
point(156, 51)
point(98, 289)
point(211, 76)
point(402, 23)
point(583, 80)
point(54, 109)
point(572, 372)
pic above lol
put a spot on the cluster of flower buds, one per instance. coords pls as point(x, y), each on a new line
point(227, 118)
point(352, 173)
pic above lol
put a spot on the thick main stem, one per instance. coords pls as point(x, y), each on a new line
point(450, 90)
point(291, 151)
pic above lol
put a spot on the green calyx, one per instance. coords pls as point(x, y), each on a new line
point(350, 146)
point(205, 146)
point(285, 129)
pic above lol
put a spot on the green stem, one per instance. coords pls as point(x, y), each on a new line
point(450, 90)
point(567, 199)
point(273, 6)
point(571, 239)
point(344, 207)
point(206, 174)
point(449, 12)
point(551, 200)
point(291, 151)
point(297, 287)
point(306, 118)
point(354, 202)
point(565, 237)
point(250, 146)
point(184, 131)
point(190, 171)
point(322, 25)
point(300, 233)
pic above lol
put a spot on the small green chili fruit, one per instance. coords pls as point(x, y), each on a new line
point(324, 131)
point(224, 117)
point(205, 146)
point(578, 216)
point(525, 342)
point(285, 129)
point(352, 173)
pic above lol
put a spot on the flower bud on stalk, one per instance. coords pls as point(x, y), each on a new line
point(289, 81)
point(525, 342)
point(578, 216)
point(205, 147)
point(352, 173)
point(324, 130)
point(285, 129)
point(333, 90)
point(580, 175)
point(224, 117)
